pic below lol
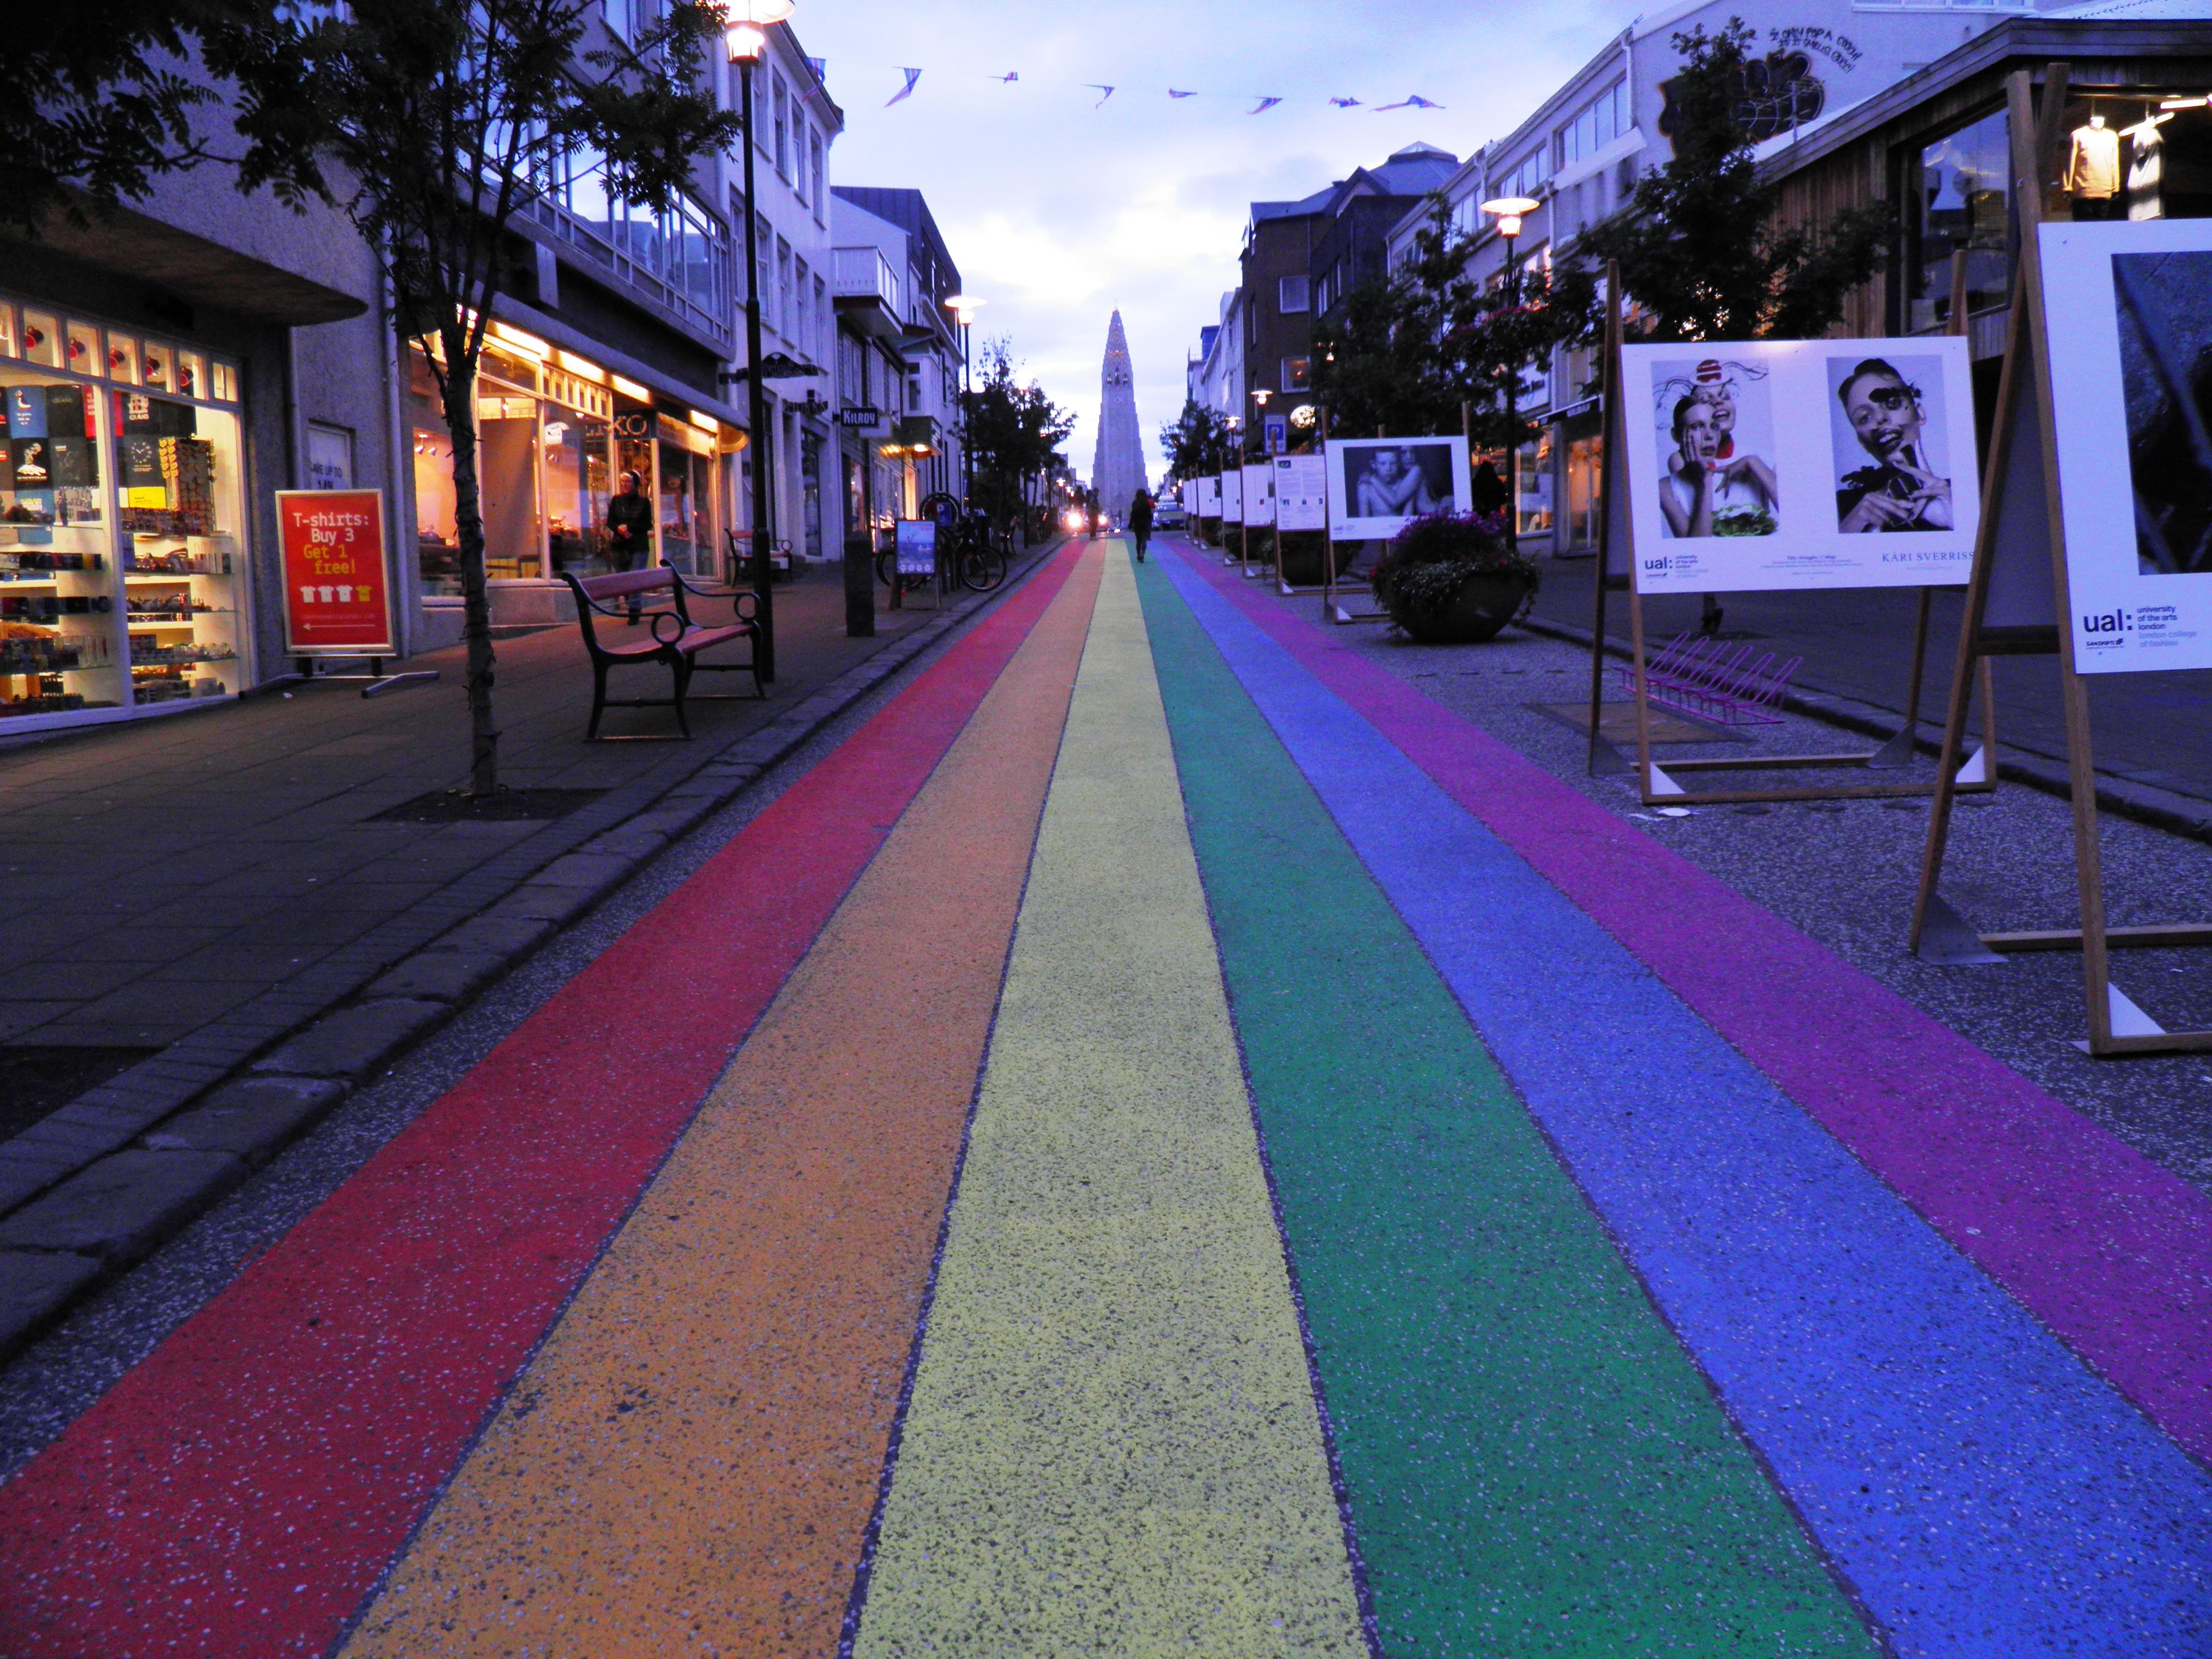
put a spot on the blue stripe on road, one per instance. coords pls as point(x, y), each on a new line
point(1985, 1495)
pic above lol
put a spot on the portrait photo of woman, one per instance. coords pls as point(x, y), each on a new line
point(1884, 423)
point(1703, 493)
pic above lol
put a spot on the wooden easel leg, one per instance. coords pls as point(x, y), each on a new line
point(1649, 779)
point(1898, 750)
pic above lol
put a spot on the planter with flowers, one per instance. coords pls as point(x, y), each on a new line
point(1452, 579)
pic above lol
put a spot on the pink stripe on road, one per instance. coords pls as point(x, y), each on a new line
point(2107, 1249)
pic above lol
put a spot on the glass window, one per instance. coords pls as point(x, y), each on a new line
point(7, 330)
point(42, 342)
point(157, 360)
point(814, 154)
point(782, 138)
point(1958, 229)
point(80, 349)
point(1292, 295)
point(123, 359)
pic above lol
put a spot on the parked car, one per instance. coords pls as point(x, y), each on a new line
point(1169, 515)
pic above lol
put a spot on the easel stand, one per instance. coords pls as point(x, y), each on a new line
point(374, 683)
point(2014, 608)
point(1656, 785)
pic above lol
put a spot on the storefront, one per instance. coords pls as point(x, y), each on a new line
point(560, 441)
point(125, 551)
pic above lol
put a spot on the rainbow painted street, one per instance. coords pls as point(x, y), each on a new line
point(1207, 1152)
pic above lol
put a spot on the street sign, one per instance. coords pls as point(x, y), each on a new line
point(336, 601)
point(860, 416)
point(1275, 432)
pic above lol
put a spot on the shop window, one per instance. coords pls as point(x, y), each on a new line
point(1959, 228)
point(81, 352)
point(157, 364)
point(329, 457)
point(42, 342)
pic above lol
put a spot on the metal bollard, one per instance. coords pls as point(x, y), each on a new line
point(859, 585)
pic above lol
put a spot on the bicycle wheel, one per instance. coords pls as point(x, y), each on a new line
point(886, 565)
point(983, 569)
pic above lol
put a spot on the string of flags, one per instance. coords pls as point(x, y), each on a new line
point(913, 78)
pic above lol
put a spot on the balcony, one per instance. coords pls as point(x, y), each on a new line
point(867, 292)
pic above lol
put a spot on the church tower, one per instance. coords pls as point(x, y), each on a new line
point(1117, 471)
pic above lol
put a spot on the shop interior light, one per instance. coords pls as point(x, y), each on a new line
point(704, 423)
point(515, 340)
point(631, 390)
point(2184, 103)
point(582, 368)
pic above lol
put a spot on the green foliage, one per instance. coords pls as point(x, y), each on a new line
point(1427, 563)
point(1402, 356)
point(1698, 253)
point(106, 101)
point(1197, 441)
point(1012, 431)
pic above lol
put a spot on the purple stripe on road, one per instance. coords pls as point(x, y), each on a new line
point(2110, 1251)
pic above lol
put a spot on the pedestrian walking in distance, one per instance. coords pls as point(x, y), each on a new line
point(1140, 522)
point(629, 530)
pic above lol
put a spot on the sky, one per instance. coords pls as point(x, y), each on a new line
point(1057, 210)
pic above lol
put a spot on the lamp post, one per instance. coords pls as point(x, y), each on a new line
point(963, 308)
point(1510, 211)
point(1260, 396)
point(746, 26)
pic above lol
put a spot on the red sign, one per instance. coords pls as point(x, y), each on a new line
point(336, 597)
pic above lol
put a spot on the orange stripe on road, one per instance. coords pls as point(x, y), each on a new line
point(689, 1462)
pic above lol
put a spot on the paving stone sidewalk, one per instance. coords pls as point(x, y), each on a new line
point(218, 893)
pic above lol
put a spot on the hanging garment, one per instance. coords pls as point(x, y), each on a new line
point(2094, 168)
point(2146, 170)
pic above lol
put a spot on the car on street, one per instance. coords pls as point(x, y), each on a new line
point(1168, 515)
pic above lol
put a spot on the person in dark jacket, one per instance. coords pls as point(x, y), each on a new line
point(1141, 521)
point(629, 531)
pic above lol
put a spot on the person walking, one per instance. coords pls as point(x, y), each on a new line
point(629, 531)
point(1141, 521)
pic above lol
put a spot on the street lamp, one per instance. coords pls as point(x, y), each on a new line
point(745, 32)
point(963, 308)
point(1509, 212)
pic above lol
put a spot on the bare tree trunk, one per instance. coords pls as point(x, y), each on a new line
point(468, 524)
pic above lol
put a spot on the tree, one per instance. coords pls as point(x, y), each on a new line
point(1698, 248)
point(1405, 354)
point(1196, 441)
point(1012, 428)
point(431, 123)
point(107, 102)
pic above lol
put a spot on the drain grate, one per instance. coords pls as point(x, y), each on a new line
point(36, 1079)
point(507, 806)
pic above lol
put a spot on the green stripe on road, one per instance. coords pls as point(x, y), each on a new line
point(1112, 1446)
point(1534, 1465)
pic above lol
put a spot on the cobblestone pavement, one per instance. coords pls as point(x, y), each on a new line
point(1226, 1143)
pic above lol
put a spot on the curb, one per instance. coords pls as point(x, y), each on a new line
point(2123, 796)
point(99, 1185)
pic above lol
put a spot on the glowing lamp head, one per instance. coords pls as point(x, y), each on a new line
point(1509, 212)
point(745, 25)
point(963, 306)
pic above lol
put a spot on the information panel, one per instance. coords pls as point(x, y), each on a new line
point(1770, 464)
point(917, 547)
point(1259, 493)
point(2133, 412)
point(1301, 492)
point(1232, 497)
point(336, 601)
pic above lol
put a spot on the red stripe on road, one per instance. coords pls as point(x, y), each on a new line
point(240, 1490)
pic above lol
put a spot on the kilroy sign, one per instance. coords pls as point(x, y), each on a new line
point(861, 415)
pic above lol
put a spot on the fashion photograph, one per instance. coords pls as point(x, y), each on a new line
point(1714, 425)
point(1887, 416)
point(1391, 481)
point(2165, 302)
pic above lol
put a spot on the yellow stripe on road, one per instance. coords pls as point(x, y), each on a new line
point(1112, 1445)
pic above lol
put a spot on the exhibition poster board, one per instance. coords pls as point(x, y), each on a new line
point(1209, 497)
point(1377, 486)
point(2131, 418)
point(1258, 493)
point(1301, 492)
point(1775, 464)
point(1232, 497)
point(337, 600)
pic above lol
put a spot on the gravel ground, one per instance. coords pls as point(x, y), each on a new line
point(1846, 870)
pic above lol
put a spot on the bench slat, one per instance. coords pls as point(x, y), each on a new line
point(615, 584)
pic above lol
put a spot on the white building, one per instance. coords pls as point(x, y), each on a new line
point(1582, 149)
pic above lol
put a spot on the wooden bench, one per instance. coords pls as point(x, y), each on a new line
point(671, 638)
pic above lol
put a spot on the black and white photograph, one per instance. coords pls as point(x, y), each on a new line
point(1887, 418)
point(1377, 484)
point(2165, 303)
point(1713, 422)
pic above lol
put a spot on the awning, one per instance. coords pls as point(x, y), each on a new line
point(151, 251)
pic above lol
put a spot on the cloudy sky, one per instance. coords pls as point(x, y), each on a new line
point(1058, 212)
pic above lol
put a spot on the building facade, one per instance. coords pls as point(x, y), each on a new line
point(1581, 151)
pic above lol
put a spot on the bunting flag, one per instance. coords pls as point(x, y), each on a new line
point(1263, 102)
